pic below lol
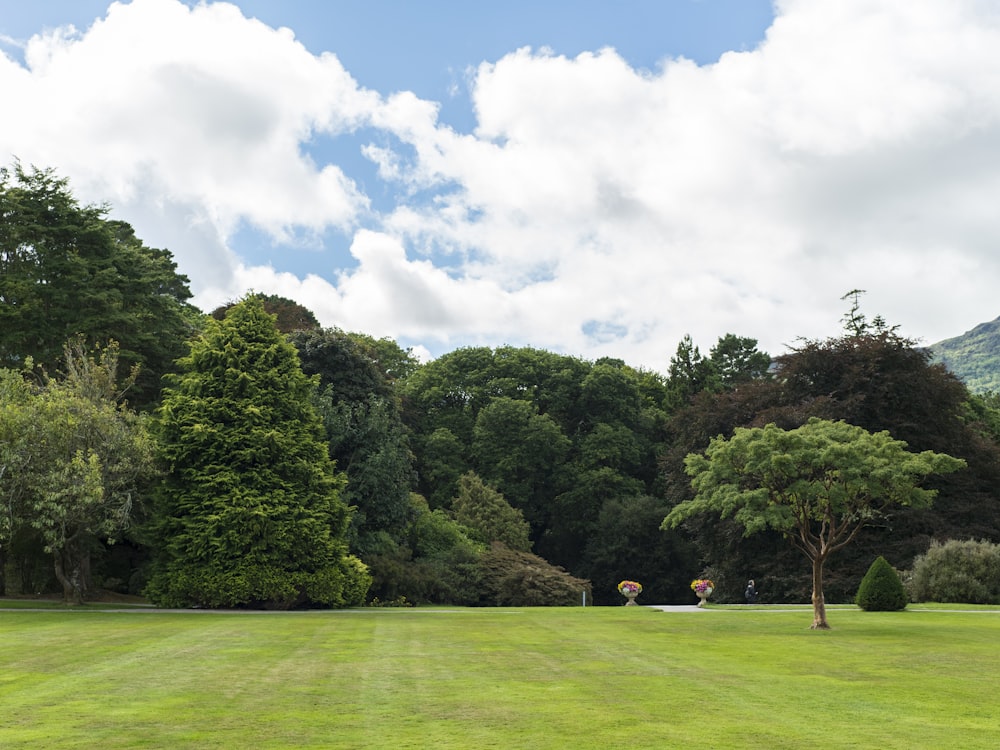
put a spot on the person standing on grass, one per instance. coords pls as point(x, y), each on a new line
point(751, 592)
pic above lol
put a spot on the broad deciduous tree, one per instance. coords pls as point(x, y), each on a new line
point(818, 484)
point(519, 451)
point(73, 459)
point(66, 269)
point(365, 431)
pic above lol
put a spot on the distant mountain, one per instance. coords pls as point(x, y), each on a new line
point(974, 356)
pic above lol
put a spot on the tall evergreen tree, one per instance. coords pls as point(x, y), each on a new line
point(250, 513)
point(488, 515)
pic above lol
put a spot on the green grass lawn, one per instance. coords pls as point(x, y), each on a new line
point(612, 677)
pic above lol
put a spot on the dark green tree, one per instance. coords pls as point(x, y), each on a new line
point(364, 427)
point(519, 451)
point(880, 589)
point(736, 360)
point(556, 435)
point(819, 485)
point(627, 543)
point(443, 459)
point(872, 377)
point(66, 269)
point(250, 513)
point(689, 374)
point(343, 363)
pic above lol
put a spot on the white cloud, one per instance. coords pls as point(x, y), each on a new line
point(856, 147)
point(596, 208)
point(198, 108)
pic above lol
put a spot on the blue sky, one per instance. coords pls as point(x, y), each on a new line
point(597, 178)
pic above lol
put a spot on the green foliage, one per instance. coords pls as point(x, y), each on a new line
point(518, 450)
point(369, 441)
point(958, 571)
point(974, 356)
point(556, 435)
point(245, 583)
point(364, 428)
point(66, 269)
point(737, 360)
point(250, 513)
point(520, 579)
point(818, 484)
point(982, 411)
point(689, 373)
point(289, 315)
point(872, 378)
point(489, 516)
point(435, 563)
point(73, 460)
point(828, 473)
point(630, 543)
point(880, 589)
point(733, 361)
point(392, 361)
point(444, 458)
point(342, 363)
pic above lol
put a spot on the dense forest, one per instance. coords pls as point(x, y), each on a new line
point(251, 457)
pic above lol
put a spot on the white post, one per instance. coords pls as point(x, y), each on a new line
point(584, 598)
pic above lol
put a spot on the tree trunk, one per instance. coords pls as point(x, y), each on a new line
point(818, 601)
point(70, 579)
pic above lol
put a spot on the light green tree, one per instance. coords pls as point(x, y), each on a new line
point(73, 461)
point(819, 485)
point(488, 515)
point(250, 513)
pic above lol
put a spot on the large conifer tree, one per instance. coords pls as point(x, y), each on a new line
point(251, 513)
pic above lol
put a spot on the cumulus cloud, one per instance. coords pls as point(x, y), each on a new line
point(596, 208)
point(855, 147)
point(197, 109)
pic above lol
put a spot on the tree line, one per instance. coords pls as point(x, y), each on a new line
point(251, 457)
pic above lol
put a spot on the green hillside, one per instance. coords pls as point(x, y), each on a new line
point(974, 356)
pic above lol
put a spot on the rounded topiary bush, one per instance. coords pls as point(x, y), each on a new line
point(880, 589)
point(958, 571)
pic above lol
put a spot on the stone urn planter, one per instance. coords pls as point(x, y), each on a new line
point(702, 588)
point(630, 590)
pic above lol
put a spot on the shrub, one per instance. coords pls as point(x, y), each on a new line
point(449, 578)
point(521, 579)
point(958, 571)
point(880, 589)
point(438, 563)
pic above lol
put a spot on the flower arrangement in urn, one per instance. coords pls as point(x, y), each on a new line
point(630, 590)
point(702, 587)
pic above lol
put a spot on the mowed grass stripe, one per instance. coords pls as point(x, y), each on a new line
point(527, 678)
